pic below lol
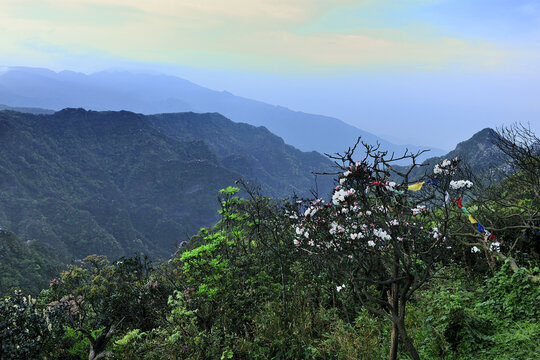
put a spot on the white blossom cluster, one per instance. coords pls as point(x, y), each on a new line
point(340, 195)
point(391, 185)
point(380, 233)
point(495, 246)
point(417, 210)
point(445, 167)
point(474, 249)
point(461, 184)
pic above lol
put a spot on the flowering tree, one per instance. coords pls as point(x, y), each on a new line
point(382, 239)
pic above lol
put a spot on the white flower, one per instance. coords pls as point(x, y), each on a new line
point(299, 231)
point(371, 243)
point(354, 236)
point(496, 246)
point(339, 288)
point(342, 181)
point(347, 173)
point(296, 242)
point(460, 184)
point(474, 249)
point(368, 212)
point(382, 234)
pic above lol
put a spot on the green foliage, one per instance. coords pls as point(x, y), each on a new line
point(25, 266)
point(511, 295)
point(27, 329)
point(360, 339)
point(495, 319)
point(76, 345)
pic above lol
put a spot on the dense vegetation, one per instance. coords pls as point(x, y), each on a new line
point(384, 269)
point(118, 183)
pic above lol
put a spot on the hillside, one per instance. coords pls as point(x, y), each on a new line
point(151, 94)
point(114, 183)
point(29, 266)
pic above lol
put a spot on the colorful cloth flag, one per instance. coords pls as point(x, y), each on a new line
point(465, 211)
point(480, 227)
point(472, 220)
point(458, 201)
point(447, 198)
point(417, 186)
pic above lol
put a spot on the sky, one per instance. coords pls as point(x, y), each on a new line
point(427, 72)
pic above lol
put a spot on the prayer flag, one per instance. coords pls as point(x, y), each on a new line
point(472, 220)
point(417, 186)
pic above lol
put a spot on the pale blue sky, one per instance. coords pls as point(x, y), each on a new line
point(428, 72)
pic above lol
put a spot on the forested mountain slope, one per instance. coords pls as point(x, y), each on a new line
point(118, 183)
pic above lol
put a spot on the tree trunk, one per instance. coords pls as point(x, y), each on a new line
point(99, 344)
point(407, 341)
point(393, 300)
point(394, 341)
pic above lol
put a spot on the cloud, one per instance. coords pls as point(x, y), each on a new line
point(256, 34)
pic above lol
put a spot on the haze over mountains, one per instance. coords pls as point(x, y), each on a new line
point(151, 94)
point(76, 182)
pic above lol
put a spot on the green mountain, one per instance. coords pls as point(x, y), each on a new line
point(118, 183)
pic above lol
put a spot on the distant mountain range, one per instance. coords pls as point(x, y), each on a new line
point(118, 183)
point(151, 94)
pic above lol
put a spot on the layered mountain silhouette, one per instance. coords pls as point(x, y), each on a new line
point(150, 94)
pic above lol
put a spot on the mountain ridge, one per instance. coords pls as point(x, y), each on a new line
point(151, 94)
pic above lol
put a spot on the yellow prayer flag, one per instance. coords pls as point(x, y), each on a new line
point(472, 220)
point(417, 186)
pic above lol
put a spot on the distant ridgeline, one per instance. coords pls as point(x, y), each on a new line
point(479, 153)
point(118, 183)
